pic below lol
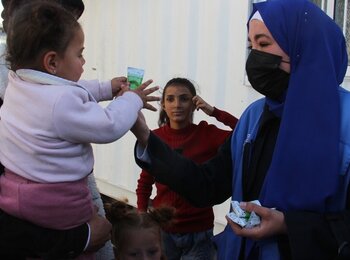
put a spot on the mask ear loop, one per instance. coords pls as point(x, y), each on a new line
point(285, 61)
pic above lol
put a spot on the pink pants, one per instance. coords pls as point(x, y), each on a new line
point(59, 206)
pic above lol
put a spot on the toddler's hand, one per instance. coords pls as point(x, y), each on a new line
point(119, 86)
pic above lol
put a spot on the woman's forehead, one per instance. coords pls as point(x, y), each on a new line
point(258, 29)
point(177, 89)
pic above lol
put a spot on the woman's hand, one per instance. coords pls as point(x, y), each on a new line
point(201, 104)
point(272, 223)
point(141, 130)
point(100, 231)
point(144, 94)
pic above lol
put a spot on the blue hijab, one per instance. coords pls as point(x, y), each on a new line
point(305, 166)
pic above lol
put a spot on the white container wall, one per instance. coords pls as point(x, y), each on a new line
point(204, 40)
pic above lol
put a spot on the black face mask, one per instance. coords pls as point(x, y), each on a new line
point(264, 74)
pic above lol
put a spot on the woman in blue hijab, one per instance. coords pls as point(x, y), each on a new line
point(290, 150)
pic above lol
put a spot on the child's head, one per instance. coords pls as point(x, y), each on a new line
point(43, 36)
point(137, 235)
point(186, 91)
point(76, 7)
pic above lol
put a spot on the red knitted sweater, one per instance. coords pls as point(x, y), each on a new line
point(199, 143)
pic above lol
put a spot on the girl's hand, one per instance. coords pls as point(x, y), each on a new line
point(119, 86)
point(144, 93)
point(201, 104)
point(272, 223)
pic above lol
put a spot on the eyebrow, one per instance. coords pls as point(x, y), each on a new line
point(258, 36)
point(181, 95)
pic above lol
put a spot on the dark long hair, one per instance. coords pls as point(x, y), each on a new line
point(183, 82)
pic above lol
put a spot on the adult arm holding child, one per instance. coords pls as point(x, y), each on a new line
point(20, 239)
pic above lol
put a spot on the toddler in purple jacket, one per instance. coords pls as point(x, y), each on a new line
point(48, 120)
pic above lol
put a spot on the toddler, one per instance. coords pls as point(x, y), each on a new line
point(137, 235)
point(49, 120)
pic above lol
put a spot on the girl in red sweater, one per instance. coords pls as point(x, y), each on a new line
point(189, 237)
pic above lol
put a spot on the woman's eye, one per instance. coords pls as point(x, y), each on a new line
point(264, 44)
point(153, 252)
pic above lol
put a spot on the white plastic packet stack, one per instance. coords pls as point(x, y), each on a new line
point(243, 218)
